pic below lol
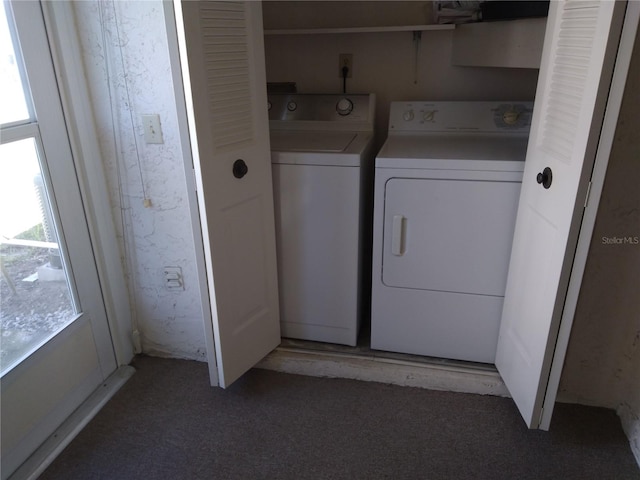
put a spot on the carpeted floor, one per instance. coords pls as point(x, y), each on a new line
point(167, 423)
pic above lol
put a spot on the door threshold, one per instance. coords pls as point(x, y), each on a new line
point(361, 363)
point(71, 427)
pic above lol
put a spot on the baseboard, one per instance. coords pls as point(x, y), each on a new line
point(631, 426)
point(386, 370)
point(65, 433)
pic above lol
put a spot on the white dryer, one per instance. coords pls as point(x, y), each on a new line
point(447, 184)
point(322, 162)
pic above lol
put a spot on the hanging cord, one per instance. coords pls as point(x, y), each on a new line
point(146, 200)
point(417, 39)
point(121, 198)
point(345, 73)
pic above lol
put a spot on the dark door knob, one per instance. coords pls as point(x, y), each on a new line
point(545, 177)
point(240, 168)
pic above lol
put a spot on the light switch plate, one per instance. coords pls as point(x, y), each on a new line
point(173, 278)
point(152, 130)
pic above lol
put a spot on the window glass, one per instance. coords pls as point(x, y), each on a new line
point(35, 299)
point(12, 97)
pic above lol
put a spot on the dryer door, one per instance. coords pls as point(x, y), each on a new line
point(450, 235)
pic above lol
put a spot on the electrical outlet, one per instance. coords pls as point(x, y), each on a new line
point(173, 278)
point(345, 60)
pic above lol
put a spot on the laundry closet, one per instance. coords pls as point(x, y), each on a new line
point(398, 53)
point(397, 59)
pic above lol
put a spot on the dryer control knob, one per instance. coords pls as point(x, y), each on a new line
point(344, 106)
point(291, 106)
point(408, 115)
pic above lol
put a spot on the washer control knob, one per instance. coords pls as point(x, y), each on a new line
point(269, 105)
point(510, 117)
point(344, 106)
point(408, 115)
point(429, 116)
point(292, 106)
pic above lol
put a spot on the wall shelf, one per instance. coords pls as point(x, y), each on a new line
point(400, 28)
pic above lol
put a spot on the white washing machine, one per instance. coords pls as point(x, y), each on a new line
point(322, 162)
point(447, 184)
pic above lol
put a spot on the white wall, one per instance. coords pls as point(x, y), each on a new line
point(134, 51)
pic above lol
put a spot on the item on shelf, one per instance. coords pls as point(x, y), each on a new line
point(510, 10)
point(456, 12)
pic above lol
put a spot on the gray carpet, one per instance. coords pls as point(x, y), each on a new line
point(167, 423)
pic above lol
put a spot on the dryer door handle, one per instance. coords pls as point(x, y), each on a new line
point(397, 235)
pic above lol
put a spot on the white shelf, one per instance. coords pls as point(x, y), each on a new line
point(401, 28)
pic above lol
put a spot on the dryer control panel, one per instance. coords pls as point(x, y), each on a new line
point(504, 117)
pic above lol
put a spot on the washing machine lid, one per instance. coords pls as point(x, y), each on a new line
point(457, 152)
point(345, 149)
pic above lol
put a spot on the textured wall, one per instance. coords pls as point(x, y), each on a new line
point(127, 65)
point(603, 360)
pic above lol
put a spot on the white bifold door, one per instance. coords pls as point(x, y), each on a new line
point(56, 346)
point(577, 62)
point(222, 56)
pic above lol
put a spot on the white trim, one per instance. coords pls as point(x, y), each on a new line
point(179, 84)
point(607, 135)
point(72, 426)
point(67, 57)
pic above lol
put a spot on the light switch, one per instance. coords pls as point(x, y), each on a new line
point(152, 130)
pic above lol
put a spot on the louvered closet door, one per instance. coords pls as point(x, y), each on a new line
point(229, 129)
point(578, 56)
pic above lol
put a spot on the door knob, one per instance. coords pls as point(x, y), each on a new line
point(240, 168)
point(545, 177)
